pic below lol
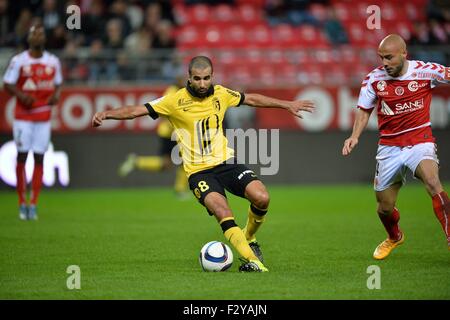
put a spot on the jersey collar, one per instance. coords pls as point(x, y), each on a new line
point(191, 91)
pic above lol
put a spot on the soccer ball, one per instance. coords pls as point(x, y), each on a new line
point(215, 256)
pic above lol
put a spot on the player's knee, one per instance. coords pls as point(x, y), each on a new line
point(262, 200)
point(433, 185)
point(385, 207)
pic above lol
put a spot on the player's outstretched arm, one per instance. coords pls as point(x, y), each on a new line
point(294, 107)
point(361, 121)
point(123, 113)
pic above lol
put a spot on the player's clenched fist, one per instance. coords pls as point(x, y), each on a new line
point(98, 119)
point(349, 144)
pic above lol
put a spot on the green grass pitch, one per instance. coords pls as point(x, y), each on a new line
point(144, 244)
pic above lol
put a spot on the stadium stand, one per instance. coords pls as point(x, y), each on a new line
point(267, 42)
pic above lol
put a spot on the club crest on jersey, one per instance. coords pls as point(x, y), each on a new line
point(413, 86)
point(381, 85)
point(399, 91)
point(216, 104)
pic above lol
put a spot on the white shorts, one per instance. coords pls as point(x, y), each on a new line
point(393, 162)
point(29, 135)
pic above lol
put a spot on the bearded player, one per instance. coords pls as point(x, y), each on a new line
point(400, 90)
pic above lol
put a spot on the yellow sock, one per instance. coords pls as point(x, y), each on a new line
point(256, 218)
point(150, 163)
point(237, 239)
point(181, 181)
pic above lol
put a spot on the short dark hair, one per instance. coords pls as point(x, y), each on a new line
point(200, 62)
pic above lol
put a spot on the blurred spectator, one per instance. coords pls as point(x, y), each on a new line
point(21, 28)
point(421, 34)
point(153, 16)
point(124, 67)
point(57, 38)
point(73, 68)
point(439, 10)
point(298, 13)
point(139, 42)
point(438, 32)
point(102, 68)
point(114, 31)
point(50, 15)
point(209, 2)
point(333, 28)
point(6, 24)
point(165, 8)
point(164, 36)
point(93, 22)
point(118, 11)
point(276, 12)
point(135, 14)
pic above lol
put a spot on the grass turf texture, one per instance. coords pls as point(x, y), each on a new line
point(144, 244)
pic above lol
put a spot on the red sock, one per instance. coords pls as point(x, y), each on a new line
point(36, 183)
point(21, 187)
point(390, 223)
point(441, 206)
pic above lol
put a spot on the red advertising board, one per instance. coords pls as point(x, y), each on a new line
point(334, 109)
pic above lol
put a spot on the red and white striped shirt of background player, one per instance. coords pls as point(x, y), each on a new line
point(37, 77)
point(403, 103)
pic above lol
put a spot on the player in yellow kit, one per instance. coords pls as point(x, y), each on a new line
point(163, 161)
point(197, 112)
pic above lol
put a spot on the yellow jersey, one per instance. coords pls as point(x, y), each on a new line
point(165, 128)
point(198, 124)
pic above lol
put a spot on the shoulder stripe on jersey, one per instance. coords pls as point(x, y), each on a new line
point(151, 112)
point(242, 99)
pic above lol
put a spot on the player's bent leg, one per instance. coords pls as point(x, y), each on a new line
point(218, 206)
point(389, 216)
point(428, 172)
point(127, 166)
point(259, 198)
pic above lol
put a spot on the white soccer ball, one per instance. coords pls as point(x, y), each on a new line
point(216, 256)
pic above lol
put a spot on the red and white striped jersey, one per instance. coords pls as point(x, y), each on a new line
point(403, 103)
point(36, 77)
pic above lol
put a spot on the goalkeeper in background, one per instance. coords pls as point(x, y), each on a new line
point(163, 161)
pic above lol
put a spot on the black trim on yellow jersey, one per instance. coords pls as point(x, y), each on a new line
point(242, 99)
point(151, 112)
point(192, 92)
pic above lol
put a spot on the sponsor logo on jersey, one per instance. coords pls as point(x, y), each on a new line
point(413, 86)
point(184, 102)
point(381, 85)
point(399, 91)
point(45, 84)
point(383, 93)
point(234, 94)
point(411, 105)
point(385, 109)
point(29, 85)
